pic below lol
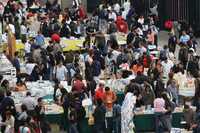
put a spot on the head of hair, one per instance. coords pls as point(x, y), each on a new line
point(99, 102)
point(171, 75)
point(23, 107)
point(165, 96)
point(28, 93)
point(165, 47)
point(16, 53)
point(39, 99)
point(8, 93)
point(107, 89)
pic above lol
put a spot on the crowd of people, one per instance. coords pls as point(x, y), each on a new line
point(157, 76)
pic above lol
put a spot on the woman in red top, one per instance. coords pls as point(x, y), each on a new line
point(121, 25)
point(81, 12)
point(100, 91)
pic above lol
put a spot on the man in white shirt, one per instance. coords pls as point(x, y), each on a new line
point(30, 103)
point(112, 15)
point(60, 72)
point(166, 66)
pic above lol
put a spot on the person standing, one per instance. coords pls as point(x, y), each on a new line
point(184, 38)
point(127, 125)
point(99, 117)
point(159, 107)
point(40, 115)
point(169, 107)
point(60, 72)
point(99, 93)
point(16, 62)
point(109, 97)
point(9, 122)
point(166, 66)
point(7, 109)
point(40, 39)
point(172, 42)
point(29, 102)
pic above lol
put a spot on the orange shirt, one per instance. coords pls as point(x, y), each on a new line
point(109, 98)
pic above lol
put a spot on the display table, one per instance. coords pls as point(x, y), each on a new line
point(146, 122)
point(143, 123)
point(7, 69)
point(72, 44)
point(67, 44)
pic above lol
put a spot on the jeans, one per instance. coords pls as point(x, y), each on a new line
point(73, 128)
point(116, 125)
point(69, 66)
point(159, 122)
point(99, 128)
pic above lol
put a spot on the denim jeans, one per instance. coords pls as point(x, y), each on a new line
point(159, 122)
point(99, 128)
point(116, 125)
point(73, 128)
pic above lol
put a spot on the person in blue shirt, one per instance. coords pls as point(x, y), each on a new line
point(40, 39)
point(16, 62)
point(184, 38)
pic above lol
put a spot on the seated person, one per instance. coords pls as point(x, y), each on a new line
point(20, 86)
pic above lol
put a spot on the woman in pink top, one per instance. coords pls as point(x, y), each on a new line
point(159, 105)
point(159, 109)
